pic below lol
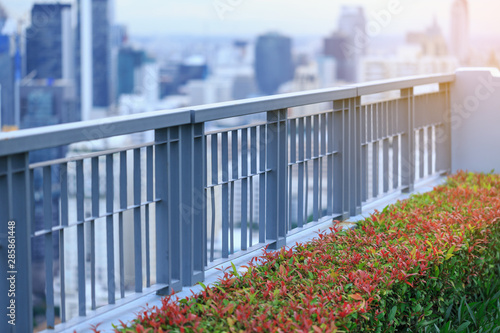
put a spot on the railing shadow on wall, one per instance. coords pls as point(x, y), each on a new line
point(169, 209)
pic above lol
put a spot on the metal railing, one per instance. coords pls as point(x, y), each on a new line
point(171, 208)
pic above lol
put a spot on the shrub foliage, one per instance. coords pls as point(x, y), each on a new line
point(406, 268)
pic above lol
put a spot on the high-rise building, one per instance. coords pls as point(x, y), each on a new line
point(129, 60)
point(273, 62)
point(344, 46)
point(7, 116)
point(49, 42)
point(431, 41)
point(101, 53)
point(335, 47)
point(351, 22)
point(47, 102)
point(460, 37)
point(3, 17)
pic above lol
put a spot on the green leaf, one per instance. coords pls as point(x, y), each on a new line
point(450, 254)
point(392, 314)
point(448, 312)
point(427, 323)
point(471, 313)
point(463, 327)
point(235, 271)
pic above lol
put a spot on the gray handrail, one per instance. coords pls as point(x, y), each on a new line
point(63, 134)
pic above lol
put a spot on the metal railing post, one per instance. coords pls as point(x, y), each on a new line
point(192, 193)
point(15, 244)
point(276, 189)
point(354, 169)
point(407, 108)
point(340, 167)
point(443, 134)
point(167, 225)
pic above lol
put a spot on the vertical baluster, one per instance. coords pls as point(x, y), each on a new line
point(308, 157)
point(421, 152)
point(347, 158)
point(395, 144)
point(375, 168)
point(262, 184)
point(49, 246)
point(166, 256)
point(149, 199)
point(376, 149)
point(137, 221)
point(385, 146)
point(198, 202)
point(63, 179)
point(407, 140)
point(215, 180)
point(80, 237)
point(123, 207)
point(300, 190)
point(321, 161)
point(192, 229)
point(430, 150)
point(253, 171)
point(364, 155)
point(277, 157)
point(395, 162)
point(369, 143)
point(330, 150)
point(338, 167)
point(110, 242)
point(95, 215)
point(225, 196)
point(316, 169)
point(443, 132)
point(293, 160)
point(385, 157)
point(174, 205)
point(234, 175)
point(354, 170)
point(244, 189)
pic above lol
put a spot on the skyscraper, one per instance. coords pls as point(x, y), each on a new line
point(343, 45)
point(7, 118)
point(334, 47)
point(351, 22)
point(273, 62)
point(460, 37)
point(101, 53)
point(49, 42)
point(128, 62)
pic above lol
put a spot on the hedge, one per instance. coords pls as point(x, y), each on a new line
point(402, 269)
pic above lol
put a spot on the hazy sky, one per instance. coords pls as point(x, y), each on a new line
point(294, 17)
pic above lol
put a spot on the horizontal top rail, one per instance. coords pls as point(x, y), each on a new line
point(276, 102)
point(63, 134)
point(376, 87)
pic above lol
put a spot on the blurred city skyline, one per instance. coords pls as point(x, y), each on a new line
point(296, 18)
